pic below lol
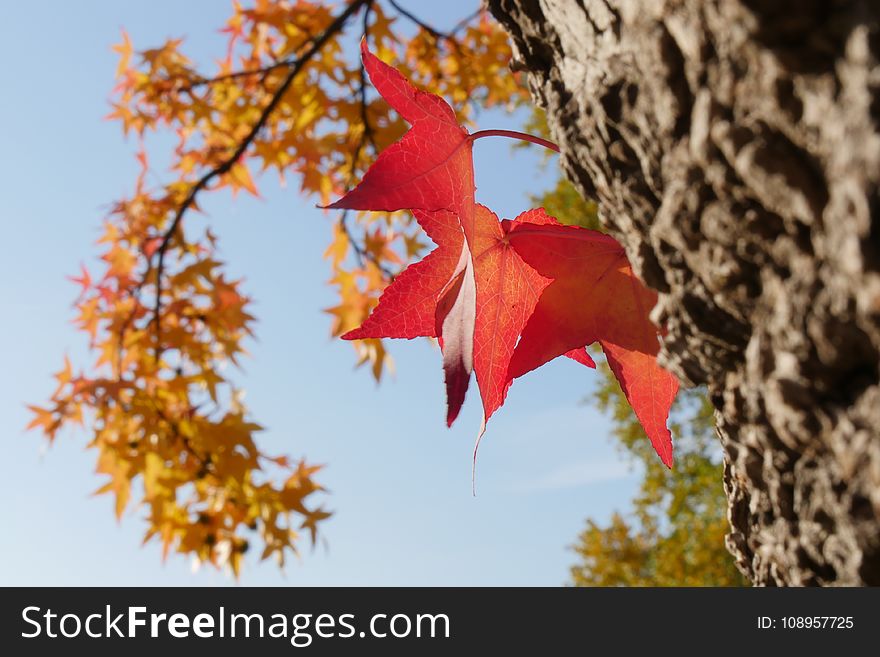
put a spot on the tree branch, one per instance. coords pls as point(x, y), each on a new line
point(437, 34)
point(284, 63)
point(430, 29)
point(460, 25)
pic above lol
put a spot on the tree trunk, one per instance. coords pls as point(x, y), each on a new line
point(734, 149)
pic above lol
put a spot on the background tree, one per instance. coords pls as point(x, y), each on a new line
point(732, 147)
point(674, 534)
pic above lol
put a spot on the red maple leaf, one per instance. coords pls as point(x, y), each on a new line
point(408, 306)
point(581, 356)
point(508, 290)
point(430, 168)
point(595, 297)
point(477, 308)
point(503, 298)
point(435, 298)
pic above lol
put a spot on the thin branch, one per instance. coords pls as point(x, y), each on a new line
point(430, 29)
point(284, 63)
point(359, 251)
point(263, 71)
point(463, 23)
point(205, 463)
point(434, 32)
point(227, 164)
point(367, 132)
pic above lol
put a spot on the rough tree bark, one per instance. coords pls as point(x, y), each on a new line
point(734, 149)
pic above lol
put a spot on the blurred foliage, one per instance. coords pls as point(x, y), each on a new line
point(569, 207)
point(166, 323)
point(674, 534)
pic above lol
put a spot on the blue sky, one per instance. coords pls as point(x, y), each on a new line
point(399, 480)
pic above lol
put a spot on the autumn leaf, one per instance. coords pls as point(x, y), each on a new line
point(430, 168)
point(433, 298)
point(581, 356)
point(508, 290)
point(84, 280)
point(595, 297)
point(482, 301)
point(455, 319)
point(477, 310)
point(125, 51)
point(649, 389)
point(408, 306)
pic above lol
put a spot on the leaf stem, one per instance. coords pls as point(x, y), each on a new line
point(514, 134)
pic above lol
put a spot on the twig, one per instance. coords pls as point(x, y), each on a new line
point(434, 32)
point(367, 132)
point(460, 25)
point(430, 29)
point(206, 463)
point(264, 71)
point(284, 63)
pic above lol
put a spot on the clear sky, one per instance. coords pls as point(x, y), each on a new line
point(399, 481)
